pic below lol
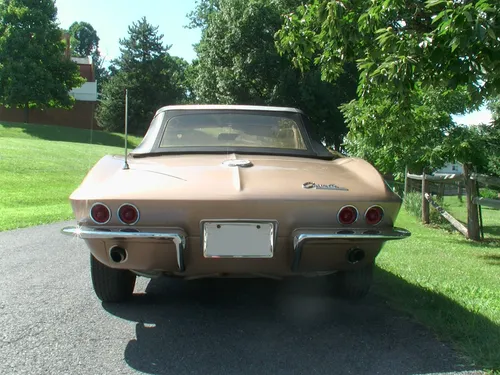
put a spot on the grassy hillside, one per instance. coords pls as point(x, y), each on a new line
point(40, 165)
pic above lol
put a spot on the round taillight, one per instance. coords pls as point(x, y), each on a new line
point(100, 213)
point(374, 215)
point(128, 214)
point(348, 215)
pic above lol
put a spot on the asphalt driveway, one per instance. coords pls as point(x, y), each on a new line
point(52, 323)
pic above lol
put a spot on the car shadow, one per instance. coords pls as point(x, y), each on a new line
point(260, 326)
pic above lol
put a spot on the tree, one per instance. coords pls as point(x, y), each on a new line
point(102, 74)
point(83, 39)
point(84, 42)
point(494, 107)
point(400, 43)
point(238, 63)
point(420, 137)
point(406, 51)
point(151, 75)
point(478, 145)
point(33, 70)
point(182, 75)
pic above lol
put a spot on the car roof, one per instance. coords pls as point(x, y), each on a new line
point(191, 107)
point(150, 143)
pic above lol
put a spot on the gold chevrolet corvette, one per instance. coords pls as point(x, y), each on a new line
point(232, 191)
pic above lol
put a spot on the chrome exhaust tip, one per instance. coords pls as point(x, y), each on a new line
point(118, 254)
point(355, 255)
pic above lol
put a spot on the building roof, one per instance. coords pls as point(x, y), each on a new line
point(82, 60)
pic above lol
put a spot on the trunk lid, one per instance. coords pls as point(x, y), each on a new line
point(207, 177)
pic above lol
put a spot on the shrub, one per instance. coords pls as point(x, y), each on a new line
point(413, 204)
point(488, 193)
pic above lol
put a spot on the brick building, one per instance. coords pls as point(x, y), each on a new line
point(82, 115)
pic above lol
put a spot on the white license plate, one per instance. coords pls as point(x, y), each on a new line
point(238, 240)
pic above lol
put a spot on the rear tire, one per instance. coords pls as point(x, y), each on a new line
point(354, 284)
point(110, 284)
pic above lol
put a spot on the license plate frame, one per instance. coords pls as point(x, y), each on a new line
point(238, 239)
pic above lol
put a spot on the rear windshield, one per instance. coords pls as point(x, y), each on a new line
point(232, 130)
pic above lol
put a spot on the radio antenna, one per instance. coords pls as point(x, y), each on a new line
point(125, 165)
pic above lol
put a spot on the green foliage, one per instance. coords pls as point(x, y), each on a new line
point(152, 77)
point(412, 203)
point(238, 64)
point(83, 39)
point(392, 137)
point(399, 43)
point(488, 193)
point(494, 107)
point(478, 145)
point(419, 62)
point(33, 71)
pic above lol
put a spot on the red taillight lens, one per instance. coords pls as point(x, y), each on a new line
point(128, 214)
point(348, 215)
point(100, 213)
point(374, 215)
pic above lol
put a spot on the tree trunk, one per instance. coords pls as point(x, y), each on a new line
point(459, 193)
point(472, 211)
point(27, 113)
point(425, 202)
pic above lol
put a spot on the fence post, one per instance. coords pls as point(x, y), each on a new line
point(459, 192)
point(425, 202)
point(472, 211)
point(406, 182)
point(441, 190)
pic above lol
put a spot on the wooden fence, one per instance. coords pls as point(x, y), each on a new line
point(469, 182)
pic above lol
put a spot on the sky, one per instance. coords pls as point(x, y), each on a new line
point(111, 18)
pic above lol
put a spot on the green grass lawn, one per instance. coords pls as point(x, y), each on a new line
point(40, 165)
point(491, 217)
point(448, 283)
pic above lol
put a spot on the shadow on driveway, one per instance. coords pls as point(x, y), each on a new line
point(257, 326)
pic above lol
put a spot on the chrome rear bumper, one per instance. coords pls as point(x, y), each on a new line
point(178, 238)
point(301, 236)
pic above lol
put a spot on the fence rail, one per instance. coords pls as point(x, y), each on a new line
point(486, 180)
point(443, 179)
point(457, 224)
point(493, 203)
point(474, 202)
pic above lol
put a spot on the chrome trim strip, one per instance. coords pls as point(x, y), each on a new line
point(105, 205)
point(300, 239)
point(341, 208)
point(89, 233)
point(128, 204)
